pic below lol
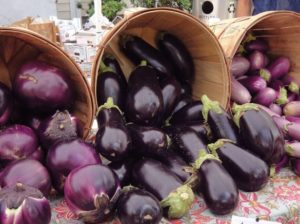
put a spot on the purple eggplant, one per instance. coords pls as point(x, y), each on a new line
point(175, 50)
point(291, 97)
point(156, 178)
point(256, 45)
point(254, 83)
point(276, 108)
point(123, 169)
point(276, 69)
point(268, 111)
point(249, 172)
point(6, 104)
point(293, 149)
point(219, 121)
point(239, 93)
point(186, 89)
point(295, 163)
point(259, 132)
point(265, 97)
point(293, 119)
point(217, 187)
point(188, 113)
point(292, 83)
point(183, 100)
point(144, 103)
point(136, 49)
point(171, 92)
point(110, 61)
point(199, 127)
point(276, 84)
point(282, 97)
point(110, 84)
point(292, 109)
point(288, 128)
point(148, 141)
point(138, 206)
point(239, 66)
point(257, 60)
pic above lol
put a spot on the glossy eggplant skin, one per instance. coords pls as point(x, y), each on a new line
point(123, 170)
point(183, 100)
point(200, 128)
point(190, 112)
point(186, 89)
point(106, 116)
point(148, 141)
point(249, 172)
point(111, 62)
point(187, 143)
point(155, 177)
point(171, 92)
point(136, 49)
point(261, 136)
point(141, 74)
point(144, 102)
point(178, 54)
point(222, 126)
point(217, 187)
point(138, 207)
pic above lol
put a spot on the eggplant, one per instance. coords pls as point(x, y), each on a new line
point(175, 50)
point(257, 44)
point(156, 178)
point(282, 97)
point(6, 104)
point(138, 206)
point(137, 49)
point(199, 127)
point(249, 172)
point(293, 149)
point(239, 66)
point(292, 83)
point(123, 170)
point(186, 89)
point(110, 84)
point(276, 69)
point(183, 100)
point(218, 189)
point(257, 60)
point(239, 93)
point(291, 96)
point(268, 111)
point(219, 121)
point(265, 97)
point(276, 108)
point(288, 128)
point(293, 119)
point(254, 83)
point(292, 109)
point(144, 102)
point(259, 132)
point(148, 141)
point(110, 61)
point(276, 84)
point(188, 113)
point(171, 92)
point(295, 163)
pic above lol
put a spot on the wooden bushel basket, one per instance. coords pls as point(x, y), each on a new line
point(281, 29)
point(212, 76)
point(19, 45)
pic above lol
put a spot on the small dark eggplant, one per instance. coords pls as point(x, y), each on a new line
point(183, 100)
point(216, 185)
point(123, 170)
point(220, 122)
point(110, 61)
point(188, 113)
point(171, 92)
point(254, 83)
point(156, 178)
point(110, 84)
point(186, 89)
point(148, 141)
point(138, 206)
point(276, 69)
point(239, 93)
point(249, 172)
point(144, 103)
point(259, 132)
point(137, 49)
point(178, 54)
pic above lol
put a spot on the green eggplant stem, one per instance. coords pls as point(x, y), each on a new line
point(108, 105)
point(239, 110)
point(210, 105)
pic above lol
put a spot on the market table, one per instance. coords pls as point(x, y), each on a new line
point(278, 201)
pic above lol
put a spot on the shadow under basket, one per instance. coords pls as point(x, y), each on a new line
point(211, 73)
point(18, 46)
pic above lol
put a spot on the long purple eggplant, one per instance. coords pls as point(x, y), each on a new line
point(239, 93)
point(293, 119)
point(190, 112)
point(239, 66)
point(249, 172)
point(199, 127)
point(259, 132)
point(254, 83)
point(257, 44)
point(178, 54)
point(110, 61)
point(276, 69)
point(217, 187)
point(156, 178)
point(257, 60)
point(219, 121)
point(183, 100)
point(292, 109)
point(288, 128)
point(276, 108)
point(137, 49)
point(265, 97)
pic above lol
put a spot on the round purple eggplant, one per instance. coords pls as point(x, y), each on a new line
point(249, 172)
point(183, 100)
point(138, 206)
point(239, 93)
point(178, 54)
point(110, 61)
point(239, 66)
point(144, 103)
point(123, 170)
point(259, 132)
point(276, 69)
point(110, 84)
point(6, 104)
point(170, 88)
point(148, 141)
point(220, 122)
point(137, 49)
point(156, 178)
point(254, 83)
point(265, 97)
point(257, 44)
point(188, 113)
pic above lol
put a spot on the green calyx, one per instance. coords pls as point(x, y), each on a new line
point(294, 88)
point(213, 147)
point(108, 105)
point(210, 105)
point(203, 156)
point(143, 63)
point(265, 74)
point(239, 110)
point(241, 50)
point(272, 170)
point(282, 98)
point(289, 149)
point(250, 37)
point(178, 202)
point(103, 68)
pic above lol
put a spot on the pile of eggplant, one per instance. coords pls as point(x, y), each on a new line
point(266, 80)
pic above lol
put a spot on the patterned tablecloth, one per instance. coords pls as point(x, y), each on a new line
point(278, 201)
